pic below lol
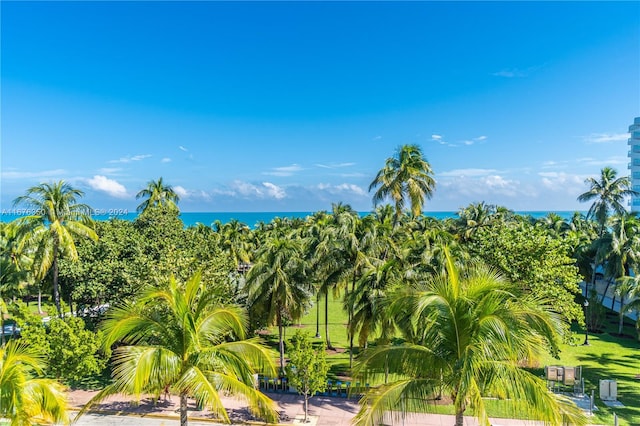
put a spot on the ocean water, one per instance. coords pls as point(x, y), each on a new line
point(253, 218)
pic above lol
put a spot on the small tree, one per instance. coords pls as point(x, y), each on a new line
point(307, 368)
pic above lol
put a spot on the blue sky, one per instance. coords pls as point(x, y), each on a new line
point(292, 106)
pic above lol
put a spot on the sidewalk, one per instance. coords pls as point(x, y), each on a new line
point(323, 411)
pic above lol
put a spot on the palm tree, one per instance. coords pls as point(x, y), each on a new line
point(277, 284)
point(158, 194)
point(59, 219)
point(607, 194)
point(620, 247)
point(182, 339)
point(627, 287)
point(26, 399)
point(468, 332)
point(407, 176)
point(473, 217)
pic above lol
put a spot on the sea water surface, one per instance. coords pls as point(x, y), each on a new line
point(253, 218)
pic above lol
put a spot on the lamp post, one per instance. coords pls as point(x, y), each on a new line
point(586, 303)
point(586, 323)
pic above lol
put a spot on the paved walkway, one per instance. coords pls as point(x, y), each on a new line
point(323, 411)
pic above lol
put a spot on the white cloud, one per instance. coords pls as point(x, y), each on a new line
point(606, 137)
point(482, 187)
point(249, 190)
point(467, 173)
point(284, 171)
point(377, 138)
point(480, 138)
point(615, 160)
point(182, 148)
point(129, 159)
point(517, 72)
point(109, 186)
point(165, 160)
point(181, 191)
point(274, 191)
point(342, 188)
point(335, 165)
point(563, 182)
point(12, 174)
point(109, 170)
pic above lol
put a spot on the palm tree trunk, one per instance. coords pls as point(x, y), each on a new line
point(2, 325)
point(184, 420)
point(326, 319)
point(621, 323)
point(460, 418)
point(350, 350)
point(353, 288)
point(281, 342)
point(40, 299)
point(56, 288)
point(318, 315)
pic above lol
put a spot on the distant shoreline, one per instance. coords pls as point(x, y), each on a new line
point(253, 218)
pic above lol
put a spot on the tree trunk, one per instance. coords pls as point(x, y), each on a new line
point(281, 342)
point(184, 420)
point(621, 323)
point(40, 299)
point(306, 407)
point(460, 418)
point(2, 326)
point(326, 319)
point(353, 287)
point(350, 350)
point(318, 315)
point(56, 288)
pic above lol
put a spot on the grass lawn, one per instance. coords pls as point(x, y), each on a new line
point(607, 357)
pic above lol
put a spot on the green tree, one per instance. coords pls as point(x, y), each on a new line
point(534, 259)
point(181, 338)
point(52, 231)
point(307, 368)
point(608, 194)
point(468, 332)
point(157, 194)
point(407, 176)
point(74, 352)
point(277, 284)
point(25, 398)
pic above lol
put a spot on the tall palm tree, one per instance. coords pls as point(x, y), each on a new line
point(620, 247)
point(468, 332)
point(332, 255)
point(58, 220)
point(608, 194)
point(182, 339)
point(277, 284)
point(407, 176)
point(158, 194)
point(26, 399)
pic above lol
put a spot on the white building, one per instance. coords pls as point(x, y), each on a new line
point(634, 161)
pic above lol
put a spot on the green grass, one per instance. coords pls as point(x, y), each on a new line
point(607, 357)
point(611, 358)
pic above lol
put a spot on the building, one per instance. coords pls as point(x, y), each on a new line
point(634, 161)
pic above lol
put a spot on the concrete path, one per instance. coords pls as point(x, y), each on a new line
point(323, 411)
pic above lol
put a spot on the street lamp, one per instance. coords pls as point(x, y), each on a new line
point(586, 323)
